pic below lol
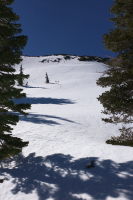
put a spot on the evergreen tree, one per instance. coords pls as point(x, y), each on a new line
point(21, 77)
point(118, 101)
point(11, 43)
point(46, 78)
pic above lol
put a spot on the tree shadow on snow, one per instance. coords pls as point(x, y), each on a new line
point(44, 100)
point(44, 119)
point(28, 86)
point(59, 177)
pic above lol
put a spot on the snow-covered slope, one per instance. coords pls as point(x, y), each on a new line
point(65, 132)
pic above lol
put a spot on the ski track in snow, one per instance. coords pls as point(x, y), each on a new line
point(65, 133)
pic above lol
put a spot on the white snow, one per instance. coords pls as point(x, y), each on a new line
point(65, 132)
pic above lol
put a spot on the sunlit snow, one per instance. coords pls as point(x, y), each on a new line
point(65, 133)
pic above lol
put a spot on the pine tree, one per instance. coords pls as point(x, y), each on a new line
point(118, 101)
point(11, 44)
point(21, 77)
point(46, 78)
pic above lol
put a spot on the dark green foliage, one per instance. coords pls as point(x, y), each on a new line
point(92, 58)
point(126, 138)
point(67, 57)
point(118, 101)
point(57, 60)
point(11, 44)
point(47, 60)
point(21, 77)
point(10, 146)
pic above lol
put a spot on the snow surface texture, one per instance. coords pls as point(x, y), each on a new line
point(66, 134)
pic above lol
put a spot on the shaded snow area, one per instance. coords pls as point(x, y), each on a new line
point(67, 157)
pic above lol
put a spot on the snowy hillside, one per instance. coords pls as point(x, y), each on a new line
point(65, 133)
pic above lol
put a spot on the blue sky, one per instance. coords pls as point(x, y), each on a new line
point(64, 26)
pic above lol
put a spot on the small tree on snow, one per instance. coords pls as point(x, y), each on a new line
point(22, 76)
point(46, 78)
